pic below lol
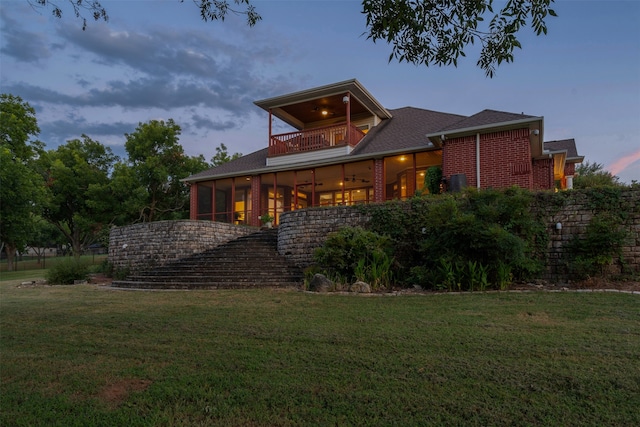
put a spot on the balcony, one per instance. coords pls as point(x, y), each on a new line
point(314, 139)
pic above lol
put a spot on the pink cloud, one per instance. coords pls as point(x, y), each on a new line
point(621, 164)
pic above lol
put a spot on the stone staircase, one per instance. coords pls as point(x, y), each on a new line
point(250, 261)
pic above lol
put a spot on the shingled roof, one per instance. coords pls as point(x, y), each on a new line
point(407, 130)
point(568, 145)
point(485, 118)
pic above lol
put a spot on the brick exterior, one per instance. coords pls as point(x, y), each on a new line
point(193, 201)
point(505, 159)
point(543, 174)
point(459, 157)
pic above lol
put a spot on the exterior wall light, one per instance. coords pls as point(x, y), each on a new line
point(558, 226)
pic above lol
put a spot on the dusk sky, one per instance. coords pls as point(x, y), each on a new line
point(159, 60)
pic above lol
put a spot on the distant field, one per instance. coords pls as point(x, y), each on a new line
point(85, 355)
point(31, 269)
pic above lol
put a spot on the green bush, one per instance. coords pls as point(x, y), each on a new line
point(68, 271)
point(596, 250)
point(355, 253)
point(470, 240)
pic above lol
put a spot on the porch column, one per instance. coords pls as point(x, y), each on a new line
point(193, 201)
point(378, 180)
point(254, 220)
point(348, 139)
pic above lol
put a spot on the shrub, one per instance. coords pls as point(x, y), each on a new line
point(470, 240)
point(353, 250)
point(68, 271)
point(601, 243)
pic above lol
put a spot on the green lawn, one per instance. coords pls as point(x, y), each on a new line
point(85, 355)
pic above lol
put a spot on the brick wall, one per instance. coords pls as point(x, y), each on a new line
point(459, 156)
point(543, 174)
point(155, 243)
point(505, 159)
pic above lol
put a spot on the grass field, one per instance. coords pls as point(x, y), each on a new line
point(31, 269)
point(89, 356)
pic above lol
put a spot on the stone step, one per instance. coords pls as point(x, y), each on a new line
point(247, 262)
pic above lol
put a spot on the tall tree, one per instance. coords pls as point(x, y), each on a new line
point(222, 156)
point(429, 32)
point(21, 193)
point(80, 200)
point(157, 163)
point(21, 189)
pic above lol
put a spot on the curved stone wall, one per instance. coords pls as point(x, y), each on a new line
point(151, 244)
point(301, 232)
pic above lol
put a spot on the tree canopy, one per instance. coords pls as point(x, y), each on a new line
point(594, 175)
point(156, 165)
point(21, 188)
point(77, 180)
point(427, 32)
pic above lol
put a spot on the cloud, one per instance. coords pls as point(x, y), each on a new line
point(624, 162)
point(57, 132)
point(23, 45)
point(201, 122)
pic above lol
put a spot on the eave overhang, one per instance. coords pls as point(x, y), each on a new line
point(353, 87)
point(535, 125)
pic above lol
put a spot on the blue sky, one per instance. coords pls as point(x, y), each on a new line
point(158, 60)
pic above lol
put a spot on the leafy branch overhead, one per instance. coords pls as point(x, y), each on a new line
point(437, 32)
point(429, 32)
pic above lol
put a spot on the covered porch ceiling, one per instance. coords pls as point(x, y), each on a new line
point(324, 103)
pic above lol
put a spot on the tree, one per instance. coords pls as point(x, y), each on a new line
point(594, 175)
point(429, 32)
point(222, 156)
point(210, 10)
point(80, 199)
point(157, 164)
point(436, 32)
point(21, 192)
point(18, 127)
point(21, 189)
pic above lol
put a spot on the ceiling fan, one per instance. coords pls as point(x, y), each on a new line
point(354, 179)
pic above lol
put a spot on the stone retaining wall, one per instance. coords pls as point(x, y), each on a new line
point(151, 244)
point(301, 232)
point(574, 217)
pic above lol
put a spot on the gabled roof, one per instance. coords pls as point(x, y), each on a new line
point(487, 118)
point(283, 107)
point(568, 145)
point(406, 130)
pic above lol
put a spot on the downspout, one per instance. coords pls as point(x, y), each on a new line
point(478, 160)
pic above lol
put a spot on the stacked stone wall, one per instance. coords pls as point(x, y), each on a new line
point(301, 232)
point(145, 245)
point(570, 221)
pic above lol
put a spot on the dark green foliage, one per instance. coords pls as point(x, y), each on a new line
point(432, 179)
point(68, 271)
point(598, 248)
point(472, 240)
point(354, 249)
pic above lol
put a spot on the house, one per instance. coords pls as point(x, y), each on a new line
point(344, 147)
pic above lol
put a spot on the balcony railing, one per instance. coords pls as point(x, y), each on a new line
point(314, 139)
